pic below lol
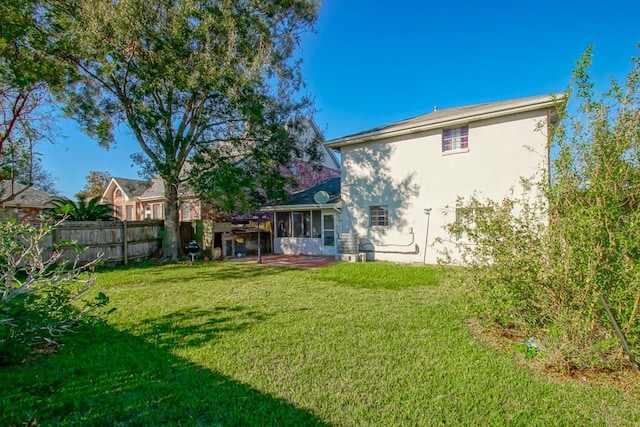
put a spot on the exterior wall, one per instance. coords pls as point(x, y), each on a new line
point(22, 214)
point(189, 210)
point(298, 246)
point(152, 209)
point(117, 198)
point(410, 174)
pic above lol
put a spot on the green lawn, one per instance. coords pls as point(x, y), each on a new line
point(239, 344)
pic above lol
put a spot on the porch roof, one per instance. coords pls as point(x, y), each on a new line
point(307, 199)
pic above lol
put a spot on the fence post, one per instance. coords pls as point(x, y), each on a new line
point(125, 243)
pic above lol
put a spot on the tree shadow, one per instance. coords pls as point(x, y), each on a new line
point(215, 271)
point(107, 377)
point(193, 326)
point(368, 181)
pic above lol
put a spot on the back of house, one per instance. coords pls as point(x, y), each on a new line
point(400, 182)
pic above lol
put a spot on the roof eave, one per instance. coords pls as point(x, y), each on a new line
point(547, 102)
point(306, 207)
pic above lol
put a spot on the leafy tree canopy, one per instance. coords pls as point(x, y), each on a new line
point(97, 182)
point(27, 70)
point(187, 76)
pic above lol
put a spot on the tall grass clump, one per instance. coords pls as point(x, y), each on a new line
point(540, 257)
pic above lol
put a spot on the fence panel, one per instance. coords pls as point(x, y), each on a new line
point(119, 242)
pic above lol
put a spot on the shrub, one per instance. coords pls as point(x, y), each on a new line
point(38, 292)
point(81, 210)
point(541, 257)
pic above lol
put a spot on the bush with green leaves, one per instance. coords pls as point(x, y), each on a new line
point(540, 257)
point(39, 294)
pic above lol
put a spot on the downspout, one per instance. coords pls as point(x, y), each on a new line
point(427, 212)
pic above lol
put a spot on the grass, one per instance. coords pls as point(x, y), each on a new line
point(240, 344)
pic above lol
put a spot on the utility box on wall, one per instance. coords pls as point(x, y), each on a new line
point(357, 257)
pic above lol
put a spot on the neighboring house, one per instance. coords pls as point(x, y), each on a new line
point(400, 182)
point(136, 200)
point(26, 205)
point(122, 194)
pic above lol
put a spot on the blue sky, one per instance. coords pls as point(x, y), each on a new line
point(375, 62)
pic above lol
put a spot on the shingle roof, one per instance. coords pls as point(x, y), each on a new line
point(306, 197)
point(441, 117)
point(28, 198)
point(155, 190)
point(132, 187)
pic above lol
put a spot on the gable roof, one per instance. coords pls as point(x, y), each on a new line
point(28, 197)
point(153, 191)
point(306, 197)
point(450, 117)
point(329, 158)
point(131, 187)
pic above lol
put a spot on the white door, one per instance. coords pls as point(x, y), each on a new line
point(329, 233)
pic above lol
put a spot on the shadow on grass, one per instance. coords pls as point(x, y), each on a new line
point(193, 326)
point(216, 272)
point(106, 377)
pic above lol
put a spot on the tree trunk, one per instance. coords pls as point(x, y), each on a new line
point(171, 243)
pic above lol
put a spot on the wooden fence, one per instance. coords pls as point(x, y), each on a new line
point(119, 242)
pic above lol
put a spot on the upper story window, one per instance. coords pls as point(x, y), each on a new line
point(455, 139)
point(378, 216)
point(118, 193)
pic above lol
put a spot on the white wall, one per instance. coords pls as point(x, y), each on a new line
point(298, 246)
point(410, 173)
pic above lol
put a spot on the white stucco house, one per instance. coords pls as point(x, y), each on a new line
point(400, 182)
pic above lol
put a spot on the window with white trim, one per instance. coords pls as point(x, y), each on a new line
point(157, 211)
point(455, 139)
point(378, 216)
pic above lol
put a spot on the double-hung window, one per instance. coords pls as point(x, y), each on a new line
point(455, 139)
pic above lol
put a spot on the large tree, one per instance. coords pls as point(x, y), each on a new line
point(26, 73)
point(185, 75)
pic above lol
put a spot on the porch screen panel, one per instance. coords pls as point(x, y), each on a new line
point(301, 224)
point(316, 225)
point(283, 222)
point(297, 224)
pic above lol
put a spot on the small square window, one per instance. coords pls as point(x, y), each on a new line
point(378, 216)
point(455, 139)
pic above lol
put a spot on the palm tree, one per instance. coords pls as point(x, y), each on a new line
point(82, 210)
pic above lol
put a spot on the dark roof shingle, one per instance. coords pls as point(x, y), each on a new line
point(306, 197)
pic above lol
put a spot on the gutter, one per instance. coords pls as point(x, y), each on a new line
point(286, 208)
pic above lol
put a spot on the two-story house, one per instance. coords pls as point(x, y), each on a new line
point(400, 182)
